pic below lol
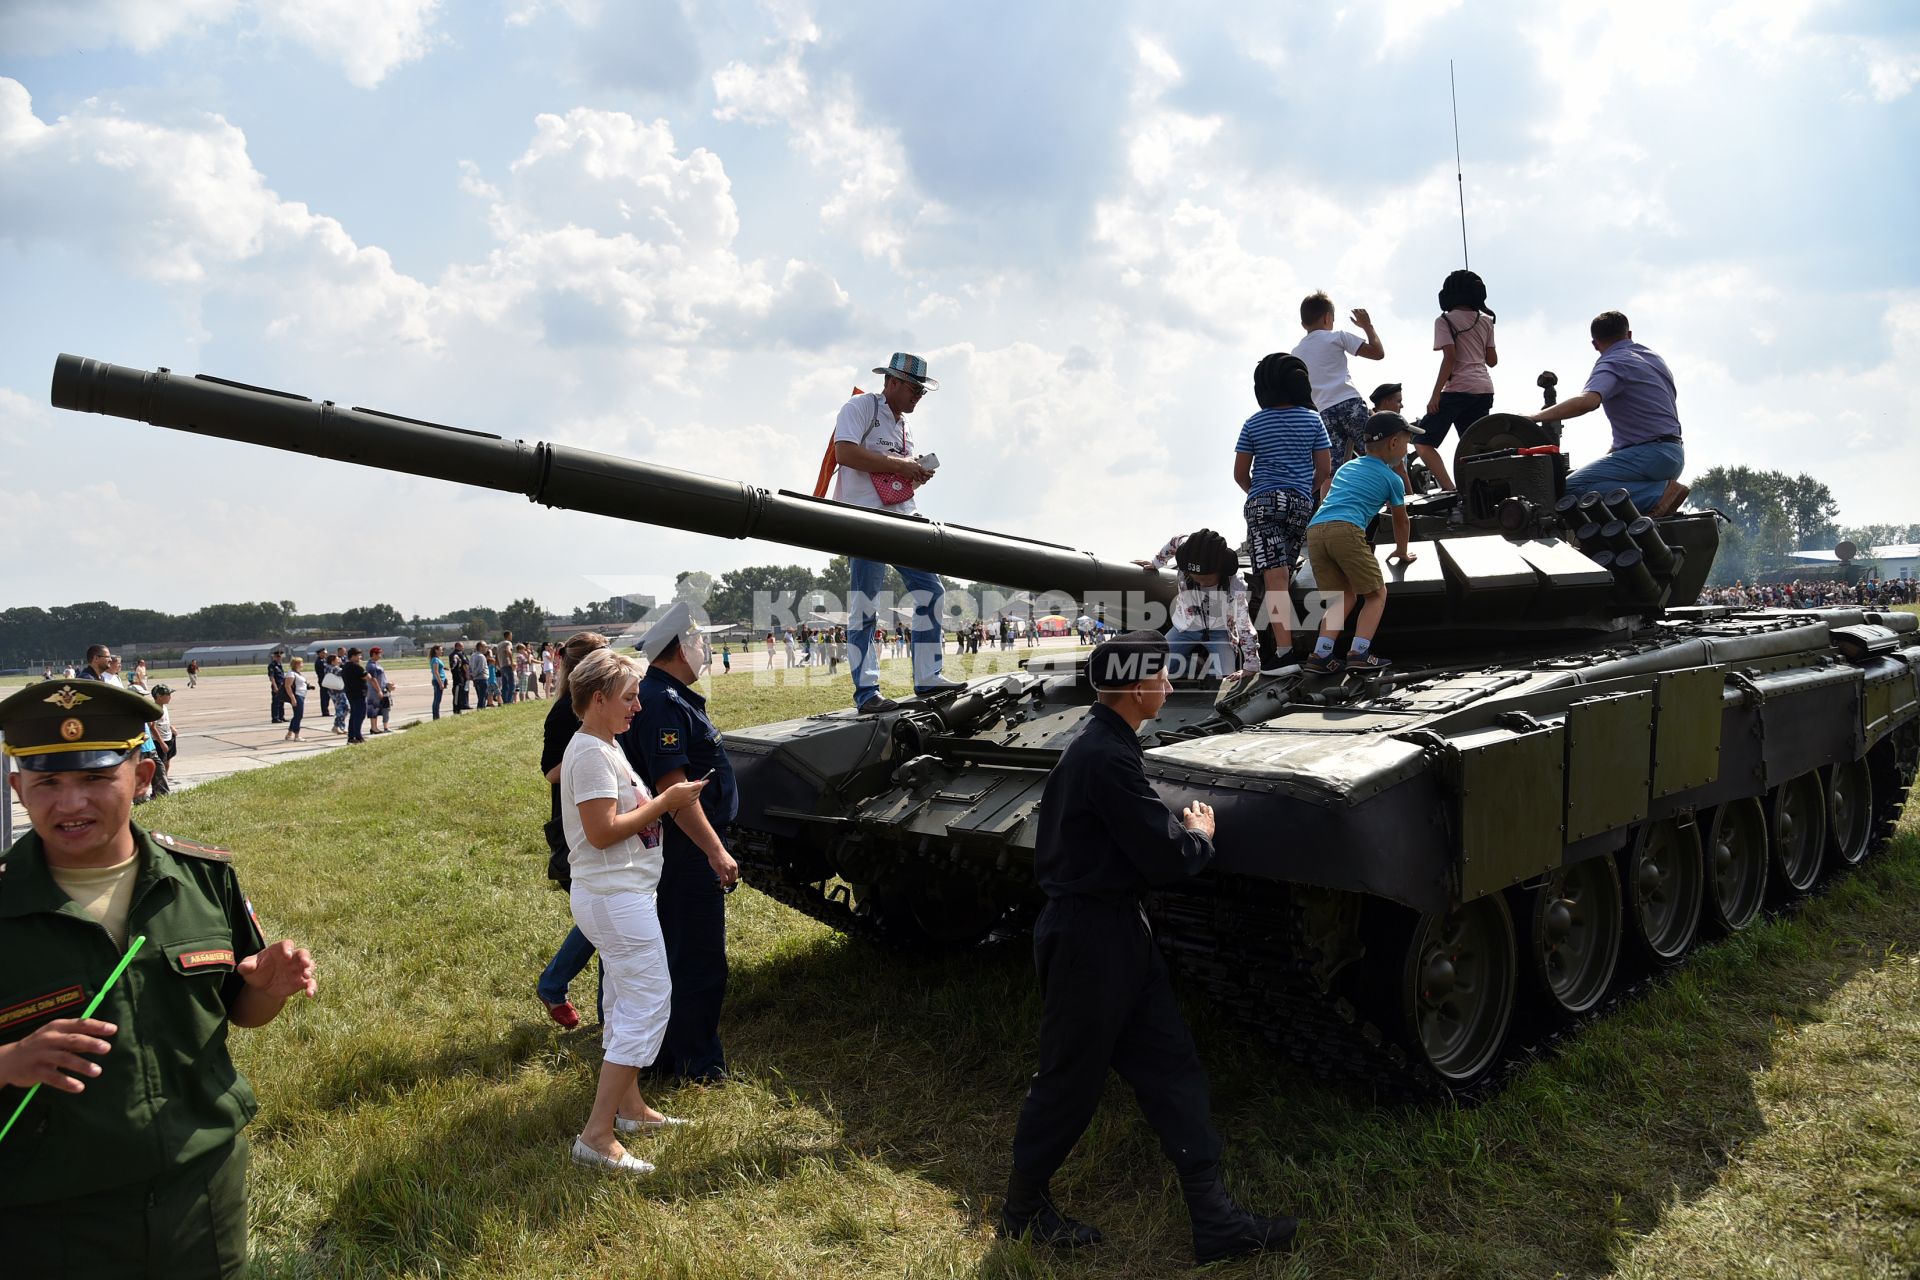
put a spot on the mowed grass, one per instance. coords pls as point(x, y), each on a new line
point(1752, 1116)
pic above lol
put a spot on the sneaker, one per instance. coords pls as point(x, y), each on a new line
point(563, 1013)
point(1370, 663)
point(1318, 666)
point(627, 1163)
point(876, 704)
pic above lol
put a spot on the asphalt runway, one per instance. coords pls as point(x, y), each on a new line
point(224, 727)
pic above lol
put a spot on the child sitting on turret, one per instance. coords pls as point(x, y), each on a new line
point(1337, 544)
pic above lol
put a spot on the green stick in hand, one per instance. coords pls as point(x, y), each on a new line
point(92, 1005)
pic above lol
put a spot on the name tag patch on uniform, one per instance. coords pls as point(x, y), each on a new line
point(202, 959)
point(669, 739)
point(41, 1006)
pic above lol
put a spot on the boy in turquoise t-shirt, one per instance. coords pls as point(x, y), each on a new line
point(1337, 542)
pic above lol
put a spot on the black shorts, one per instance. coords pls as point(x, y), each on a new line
point(1457, 409)
point(1277, 528)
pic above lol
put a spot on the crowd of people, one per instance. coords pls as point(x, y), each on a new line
point(1873, 593)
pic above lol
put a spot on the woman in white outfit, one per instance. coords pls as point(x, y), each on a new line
point(612, 827)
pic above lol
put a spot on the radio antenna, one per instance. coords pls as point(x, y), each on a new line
point(1459, 180)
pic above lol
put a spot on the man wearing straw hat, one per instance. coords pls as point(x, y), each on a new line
point(129, 1159)
point(878, 469)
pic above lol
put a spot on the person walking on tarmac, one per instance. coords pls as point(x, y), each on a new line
point(671, 740)
point(131, 1160)
point(1106, 1000)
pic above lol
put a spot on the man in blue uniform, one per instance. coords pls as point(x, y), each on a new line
point(130, 1161)
point(1106, 1001)
point(672, 740)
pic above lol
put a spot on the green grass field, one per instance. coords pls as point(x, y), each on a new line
point(1753, 1116)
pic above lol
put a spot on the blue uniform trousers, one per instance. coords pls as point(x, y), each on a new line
point(693, 922)
point(1107, 1004)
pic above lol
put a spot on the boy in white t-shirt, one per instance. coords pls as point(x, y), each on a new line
point(1325, 351)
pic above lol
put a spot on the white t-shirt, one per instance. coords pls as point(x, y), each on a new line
point(595, 770)
point(1325, 352)
point(857, 425)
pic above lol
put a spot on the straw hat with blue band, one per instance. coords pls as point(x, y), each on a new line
point(65, 725)
point(910, 367)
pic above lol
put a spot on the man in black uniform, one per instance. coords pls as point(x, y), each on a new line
point(130, 1161)
point(671, 740)
point(277, 678)
point(1106, 1001)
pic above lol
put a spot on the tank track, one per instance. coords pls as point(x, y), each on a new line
point(763, 868)
point(1250, 946)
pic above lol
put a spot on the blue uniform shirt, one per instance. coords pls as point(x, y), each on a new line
point(671, 731)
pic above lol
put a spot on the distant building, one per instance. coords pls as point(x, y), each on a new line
point(256, 652)
point(237, 655)
point(1899, 561)
point(390, 646)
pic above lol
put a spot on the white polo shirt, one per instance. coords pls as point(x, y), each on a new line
point(867, 420)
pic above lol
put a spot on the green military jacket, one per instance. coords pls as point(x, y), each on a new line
point(168, 1091)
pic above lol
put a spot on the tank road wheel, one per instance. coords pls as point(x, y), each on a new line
point(1570, 935)
point(1736, 866)
point(1457, 985)
point(1661, 880)
point(1798, 830)
point(1849, 813)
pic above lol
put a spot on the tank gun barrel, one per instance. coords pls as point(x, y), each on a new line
point(558, 475)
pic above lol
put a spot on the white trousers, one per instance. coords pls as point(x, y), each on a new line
point(625, 929)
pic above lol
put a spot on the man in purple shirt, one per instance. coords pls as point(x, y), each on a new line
point(1636, 388)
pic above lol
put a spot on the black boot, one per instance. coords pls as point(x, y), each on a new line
point(1222, 1229)
point(1032, 1214)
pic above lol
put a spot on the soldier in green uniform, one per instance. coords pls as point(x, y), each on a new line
point(129, 1161)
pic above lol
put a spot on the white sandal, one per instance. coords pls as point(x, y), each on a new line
point(627, 1163)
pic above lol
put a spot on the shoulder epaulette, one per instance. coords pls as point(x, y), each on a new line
point(192, 849)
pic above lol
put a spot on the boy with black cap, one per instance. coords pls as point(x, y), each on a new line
point(133, 1164)
point(1107, 1003)
point(1337, 544)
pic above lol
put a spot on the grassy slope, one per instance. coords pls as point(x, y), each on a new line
point(1751, 1117)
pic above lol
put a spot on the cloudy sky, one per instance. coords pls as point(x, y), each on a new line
point(681, 231)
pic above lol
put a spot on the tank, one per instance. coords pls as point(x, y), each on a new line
point(1572, 776)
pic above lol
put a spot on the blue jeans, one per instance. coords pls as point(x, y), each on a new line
point(1204, 653)
point(862, 657)
point(1643, 469)
point(565, 966)
point(356, 718)
point(299, 710)
point(506, 690)
point(438, 689)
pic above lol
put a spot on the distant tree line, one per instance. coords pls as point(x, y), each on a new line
point(31, 635)
point(1771, 514)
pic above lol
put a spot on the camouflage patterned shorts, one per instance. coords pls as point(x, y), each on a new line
point(1276, 528)
point(1346, 425)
